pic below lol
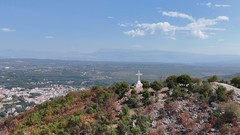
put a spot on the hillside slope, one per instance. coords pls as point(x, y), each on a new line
point(190, 109)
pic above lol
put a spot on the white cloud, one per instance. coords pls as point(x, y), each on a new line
point(128, 24)
point(222, 6)
point(202, 24)
point(49, 37)
point(200, 34)
point(122, 24)
point(152, 27)
point(166, 27)
point(7, 30)
point(224, 18)
point(177, 14)
point(209, 4)
point(200, 28)
point(110, 17)
point(135, 33)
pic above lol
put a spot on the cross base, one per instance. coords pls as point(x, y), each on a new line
point(139, 84)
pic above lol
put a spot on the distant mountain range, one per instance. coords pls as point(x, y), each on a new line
point(124, 55)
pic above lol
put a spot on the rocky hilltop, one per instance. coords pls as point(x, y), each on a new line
point(236, 96)
point(179, 105)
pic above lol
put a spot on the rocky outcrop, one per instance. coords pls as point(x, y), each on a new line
point(236, 90)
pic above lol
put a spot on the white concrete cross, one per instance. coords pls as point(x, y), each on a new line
point(139, 74)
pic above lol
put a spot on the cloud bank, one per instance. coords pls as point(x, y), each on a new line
point(200, 28)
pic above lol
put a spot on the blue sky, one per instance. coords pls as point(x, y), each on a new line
point(199, 26)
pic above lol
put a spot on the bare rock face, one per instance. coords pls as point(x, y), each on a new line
point(236, 90)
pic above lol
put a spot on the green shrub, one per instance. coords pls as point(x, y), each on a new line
point(184, 80)
point(213, 79)
point(226, 113)
point(236, 81)
point(171, 81)
point(146, 84)
point(121, 88)
point(90, 110)
point(156, 85)
point(112, 132)
point(136, 130)
point(73, 121)
point(33, 119)
point(102, 97)
point(146, 97)
point(221, 93)
point(124, 124)
point(178, 92)
point(132, 102)
point(143, 122)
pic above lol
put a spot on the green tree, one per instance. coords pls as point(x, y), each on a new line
point(178, 92)
point(143, 122)
point(156, 85)
point(73, 121)
point(213, 78)
point(205, 90)
point(90, 110)
point(171, 81)
point(34, 118)
point(134, 93)
point(222, 94)
point(136, 130)
point(172, 78)
point(146, 97)
point(121, 88)
point(112, 131)
point(236, 81)
point(124, 124)
point(184, 80)
point(146, 84)
point(132, 102)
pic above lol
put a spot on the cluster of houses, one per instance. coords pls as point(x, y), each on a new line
point(16, 100)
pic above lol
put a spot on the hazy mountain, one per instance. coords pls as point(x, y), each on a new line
point(127, 56)
point(229, 77)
